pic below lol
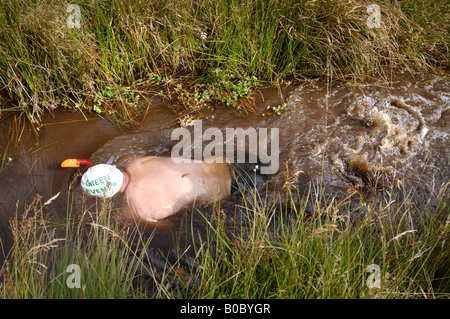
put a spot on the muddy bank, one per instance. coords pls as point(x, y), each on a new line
point(345, 137)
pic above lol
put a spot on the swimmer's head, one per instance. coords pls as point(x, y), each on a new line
point(102, 180)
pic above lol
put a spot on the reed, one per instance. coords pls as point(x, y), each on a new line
point(199, 52)
point(397, 250)
point(81, 257)
point(297, 246)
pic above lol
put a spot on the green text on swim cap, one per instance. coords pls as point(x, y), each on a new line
point(98, 190)
point(98, 181)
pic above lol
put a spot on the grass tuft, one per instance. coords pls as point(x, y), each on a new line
point(218, 51)
point(302, 246)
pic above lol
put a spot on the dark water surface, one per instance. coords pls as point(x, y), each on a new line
point(344, 136)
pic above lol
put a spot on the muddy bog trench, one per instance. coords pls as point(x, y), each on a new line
point(342, 136)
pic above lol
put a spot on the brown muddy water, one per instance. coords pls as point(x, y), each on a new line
point(344, 137)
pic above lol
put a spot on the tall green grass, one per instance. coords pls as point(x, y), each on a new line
point(196, 52)
point(299, 246)
point(80, 257)
point(332, 252)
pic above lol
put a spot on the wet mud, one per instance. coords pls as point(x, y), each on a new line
point(365, 137)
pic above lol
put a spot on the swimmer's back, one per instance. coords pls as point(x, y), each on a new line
point(159, 187)
point(197, 171)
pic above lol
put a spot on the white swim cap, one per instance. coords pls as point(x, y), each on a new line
point(102, 180)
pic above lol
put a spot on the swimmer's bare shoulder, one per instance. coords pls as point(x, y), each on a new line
point(141, 164)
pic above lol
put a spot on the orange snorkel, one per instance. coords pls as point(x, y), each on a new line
point(74, 162)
